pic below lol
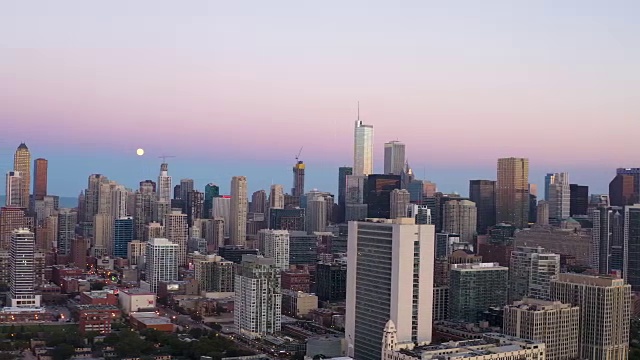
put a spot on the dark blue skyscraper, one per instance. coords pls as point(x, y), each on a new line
point(378, 194)
point(211, 191)
point(343, 172)
point(122, 236)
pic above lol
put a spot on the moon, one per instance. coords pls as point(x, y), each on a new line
point(140, 152)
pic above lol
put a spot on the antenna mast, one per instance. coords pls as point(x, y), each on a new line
point(164, 157)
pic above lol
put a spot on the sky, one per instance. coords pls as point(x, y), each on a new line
point(238, 87)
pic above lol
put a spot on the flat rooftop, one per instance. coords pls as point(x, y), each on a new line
point(136, 291)
point(151, 319)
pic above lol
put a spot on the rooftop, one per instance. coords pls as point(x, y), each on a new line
point(97, 307)
point(151, 318)
point(15, 310)
point(136, 291)
point(491, 343)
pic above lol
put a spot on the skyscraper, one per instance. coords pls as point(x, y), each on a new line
point(258, 297)
point(343, 172)
point(316, 215)
point(512, 191)
point(378, 194)
point(12, 218)
point(559, 197)
point(145, 204)
point(399, 203)
point(22, 268)
point(260, 202)
point(621, 190)
point(122, 236)
point(473, 288)
point(635, 173)
point(211, 191)
point(632, 245)
point(22, 164)
point(14, 189)
point(177, 231)
point(394, 157)
point(298, 179)
point(555, 324)
point(67, 219)
point(362, 148)
point(389, 277)
point(164, 184)
point(530, 273)
point(274, 244)
point(605, 312)
point(238, 212)
point(276, 197)
point(186, 186)
point(459, 217)
point(40, 178)
point(542, 217)
point(161, 262)
point(579, 202)
point(548, 179)
point(483, 193)
point(195, 206)
point(607, 240)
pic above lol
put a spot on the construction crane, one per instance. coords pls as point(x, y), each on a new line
point(299, 152)
point(164, 157)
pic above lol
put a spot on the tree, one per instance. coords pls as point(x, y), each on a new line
point(63, 351)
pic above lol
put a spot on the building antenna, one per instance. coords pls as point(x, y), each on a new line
point(164, 157)
point(358, 110)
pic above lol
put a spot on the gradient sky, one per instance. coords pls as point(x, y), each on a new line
point(237, 87)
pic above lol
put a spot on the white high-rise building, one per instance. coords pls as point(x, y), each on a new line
point(460, 217)
point(394, 157)
point(102, 235)
point(362, 148)
point(316, 215)
point(389, 277)
point(238, 211)
point(274, 244)
point(164, 184)
point(276, 197)
point(399, 203)
point(258, 297)
point(67, 220)
point(161, 262)
point(531, 270)
point(22, 270)
point(221, 208)
point(177, 231)
point(119, 196)
point(559, 196)
point(14, 189)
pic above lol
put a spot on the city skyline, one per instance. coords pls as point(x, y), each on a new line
point(466, 78)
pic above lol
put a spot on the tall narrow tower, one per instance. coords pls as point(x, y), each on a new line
point(298, 179)
point(22, 163)
point(394, 157)
point(512, 191)
point(14, 189)
point(164, 184)
point(238, 213)
point(40, 178)
point(22, 281)
point(362, 148)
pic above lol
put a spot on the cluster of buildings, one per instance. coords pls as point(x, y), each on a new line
point(394, 263)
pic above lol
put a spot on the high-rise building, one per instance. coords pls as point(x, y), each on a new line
point(211, 191)
point(145, 200)
point(421, 214)
point(153, 230)
point(40, 166)
point(14, 189)
point(186, 186)
point(512, 191)
point(621, 190)
point(102, 240)
point(460, 217)
point(276, 197)
point(555, 324)
point(213, 273)
point(533, 208)
point(195, 206)
point(635, 172)
point(531, 270)
point(542, 217)
point(331, 281)
point(362, 148)
point(79, 247)
point(136, 253)
point(343, 172)
point(274, 244)
point(161, 262)
point(67, 220)
point(579, 202)
point(298, 179)
point(221, 208)
point(473, 288)
point(164, 184)
point(483, 193)
point(22, 164)
point(177, 231)
point(605, 312)
point(632, 245)
point(607, 240)
point(287, 219)
point(12, 218)
point(122, 236)
point(559, 197)
point(399, 203)
point(258, 297)
point(260, 202)
point(238, 211)
point(218, 233)
point(382, 257)
point(22, 270)
point(378, 194)
point(316, 215)
point(394, 157)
